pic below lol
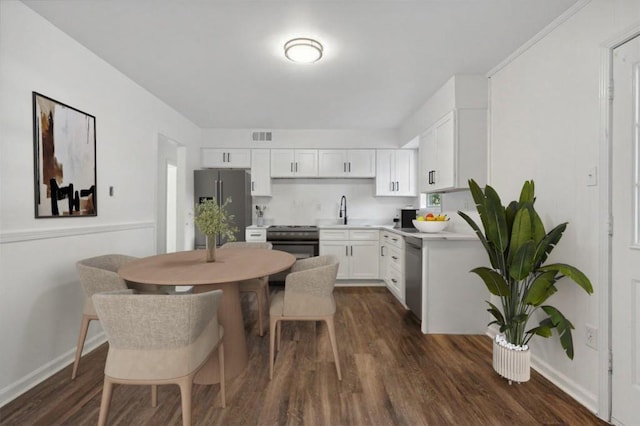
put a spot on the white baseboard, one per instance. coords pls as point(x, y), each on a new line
point(568, 386)
point(14, 390)
point(360, 283)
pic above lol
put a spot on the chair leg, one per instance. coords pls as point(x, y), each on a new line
point(279, 333)
point(185, 393)
point(81, 338)
point(259, 301)
point(334, 346)
point(223, 396)
point(107, 388)
point(272, 338)
point(154, 395)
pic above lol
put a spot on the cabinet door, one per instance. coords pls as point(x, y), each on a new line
point(340, 249)
point(332, 162)
point(428, 160)
point(405, 172)
point(360, 255)
point(385, 164)
point(211, 157)
point(282, 162)
point(361, 163)
point(306, 163)
point(226, 158)
point(261, 172)
point(445, 140)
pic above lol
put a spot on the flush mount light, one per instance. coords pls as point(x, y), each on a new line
point(305, 50)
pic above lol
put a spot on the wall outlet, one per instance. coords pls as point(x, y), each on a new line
point(591, 336)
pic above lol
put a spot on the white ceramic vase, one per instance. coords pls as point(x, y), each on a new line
point(514, 365)
point(211, 248)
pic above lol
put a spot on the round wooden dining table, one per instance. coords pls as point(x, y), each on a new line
point(232, 265)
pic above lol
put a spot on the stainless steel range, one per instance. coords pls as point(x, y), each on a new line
point(300, 241)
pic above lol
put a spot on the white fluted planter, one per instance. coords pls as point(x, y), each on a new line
point(513, 365)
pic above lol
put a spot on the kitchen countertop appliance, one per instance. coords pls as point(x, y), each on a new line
point(302, 241)
point(407, 215)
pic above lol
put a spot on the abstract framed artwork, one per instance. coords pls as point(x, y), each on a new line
point(64, 146)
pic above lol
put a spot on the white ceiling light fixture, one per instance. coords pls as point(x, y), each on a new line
point(303, 50)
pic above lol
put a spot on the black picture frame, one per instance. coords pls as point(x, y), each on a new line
point(64, 152)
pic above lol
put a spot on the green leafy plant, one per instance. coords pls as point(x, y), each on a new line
point(212, 219)
point(517, 244)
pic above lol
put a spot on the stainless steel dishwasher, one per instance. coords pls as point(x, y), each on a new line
point(413, 274)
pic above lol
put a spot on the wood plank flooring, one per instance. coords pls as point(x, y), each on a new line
point(392, 375)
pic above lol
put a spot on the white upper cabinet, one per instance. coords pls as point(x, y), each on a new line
point(226, 158)
point(260, 172)
point(356, 163)
point(294, 163)
point(454, 150)
point(396, 172)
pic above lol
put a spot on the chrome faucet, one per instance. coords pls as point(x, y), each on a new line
point(343, 207)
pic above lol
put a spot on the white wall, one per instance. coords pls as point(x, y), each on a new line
point(40, 297)
point(302, 138)
point(317, 201)
point(460, 91)
point(545, 126)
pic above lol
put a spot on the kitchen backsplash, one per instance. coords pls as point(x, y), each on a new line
point(317, 201)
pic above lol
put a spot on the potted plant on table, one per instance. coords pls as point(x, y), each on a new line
point(518, 245)
point(213, 219)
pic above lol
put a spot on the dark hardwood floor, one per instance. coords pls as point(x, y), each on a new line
point(392, 375)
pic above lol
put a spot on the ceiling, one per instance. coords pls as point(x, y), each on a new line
point(221, 64)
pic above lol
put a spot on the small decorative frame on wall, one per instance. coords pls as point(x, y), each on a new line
point(64, 147)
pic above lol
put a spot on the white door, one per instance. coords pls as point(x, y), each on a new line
point(625, 244)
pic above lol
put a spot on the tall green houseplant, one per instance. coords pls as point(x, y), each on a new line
point(517, 244)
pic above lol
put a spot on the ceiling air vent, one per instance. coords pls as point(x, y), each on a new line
point(261, 136)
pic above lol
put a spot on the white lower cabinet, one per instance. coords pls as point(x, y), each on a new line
point(255, 235)
point(356, 249)
point(392, 263)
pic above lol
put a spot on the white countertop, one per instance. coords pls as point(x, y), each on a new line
point(444, 235)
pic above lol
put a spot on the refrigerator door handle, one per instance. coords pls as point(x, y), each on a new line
point(215, 195)
point(221, 198)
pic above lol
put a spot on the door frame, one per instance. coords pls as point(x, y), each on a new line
point(169, 150)
point(605, 231)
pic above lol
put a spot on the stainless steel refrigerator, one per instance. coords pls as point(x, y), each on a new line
point(220, 184)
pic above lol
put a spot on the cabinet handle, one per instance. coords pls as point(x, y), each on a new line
point(391, 185)
point(349, 166)
point(397, 186)
point(394, 280)
point(382, 251)
point(255, 235)
point(228, 157)
point(394, 239)
point(394, 257)
point(386, 236)
point(346, 250)
point(224, 157)
point(344, 167)
point(296, 167)
point(291, 167)
point(351, 250)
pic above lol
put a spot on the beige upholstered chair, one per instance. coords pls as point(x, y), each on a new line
point(259, 286)
point(307, 296)
point(159, 339)
point(97, 274)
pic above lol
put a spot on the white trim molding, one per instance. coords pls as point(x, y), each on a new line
point(42, 234)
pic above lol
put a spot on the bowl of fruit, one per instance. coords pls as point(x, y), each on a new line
point(431, 223)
